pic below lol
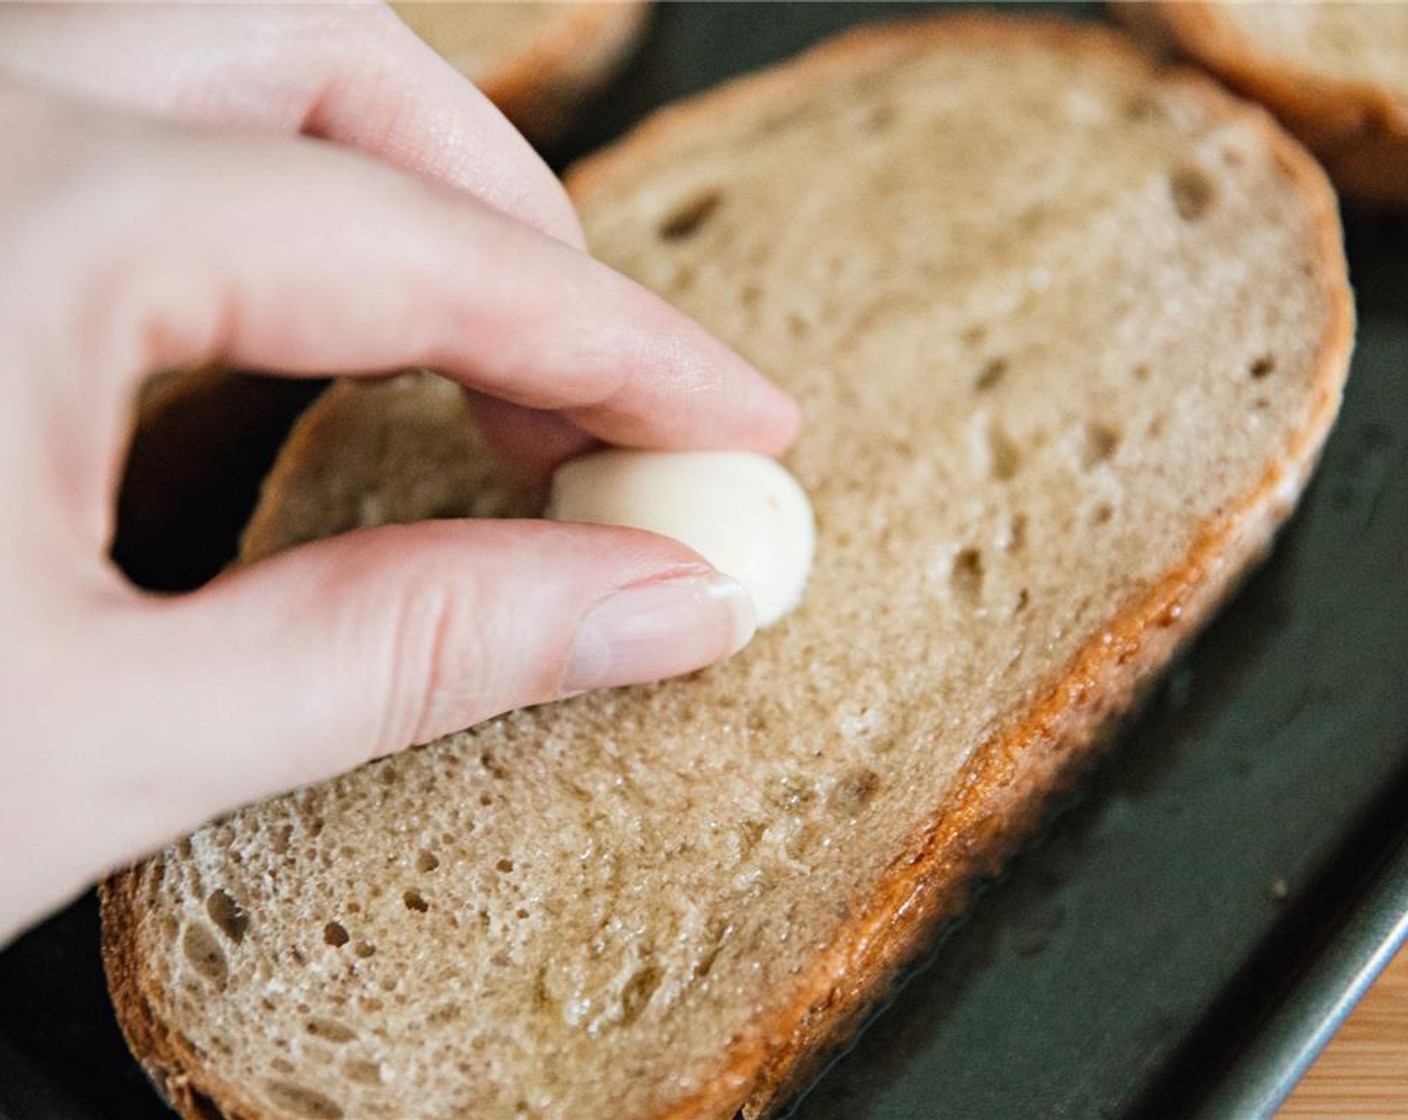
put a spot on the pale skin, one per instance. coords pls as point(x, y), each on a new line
point(303, 191)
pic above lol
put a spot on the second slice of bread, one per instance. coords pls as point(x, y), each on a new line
point(1335, 73)
point(1068, 332)
point(537, 61)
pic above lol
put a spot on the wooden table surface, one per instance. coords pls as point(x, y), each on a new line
point(1363, 1073)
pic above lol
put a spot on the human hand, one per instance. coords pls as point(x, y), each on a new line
point(129, 246)
point(352, 74)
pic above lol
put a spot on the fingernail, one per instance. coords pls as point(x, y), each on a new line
point(651, 631)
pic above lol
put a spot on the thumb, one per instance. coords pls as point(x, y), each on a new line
point(316, 660)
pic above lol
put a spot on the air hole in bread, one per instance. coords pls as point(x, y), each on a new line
point(1143, 107)
point(1261, 404)
point(229, 918)
point(706, 963)
point(204, 953)
point(1002, 454)
point(854, 791)
point(282, 1065)
point(520, 913)
point(486, 799)
point(1140, 372)
point(1024, 598)
point(1261, 367)
point(442, 1015)
point(687, 218)
point(427, 862)
point(303, 1102)
point(966, 577)
point(330, 1030)
point(1193, 192)
point(1156, 426)
point(1098, 444)
point(880, 118)
point(992, 373)
point(504, 865)
point(637, 992)
point(797, 327)
point(542, 1000)
point(790, 793)
point(1015, 538)
point(1102, 514)
point(414, 900)
point(335, 934)
point(362, 1071)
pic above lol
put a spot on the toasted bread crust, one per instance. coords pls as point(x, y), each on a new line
point(1359, 130)
point(998, 800)
point(541, 88)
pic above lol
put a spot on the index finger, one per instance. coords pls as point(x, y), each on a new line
point(294, 256)
point(352, 74)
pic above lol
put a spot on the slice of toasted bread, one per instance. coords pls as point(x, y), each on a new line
point(1335, 73)
point(1068, 331)
point(537, 61)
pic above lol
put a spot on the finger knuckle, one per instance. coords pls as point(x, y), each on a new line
point(433, 652)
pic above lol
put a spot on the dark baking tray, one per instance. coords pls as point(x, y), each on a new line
point(1190, 927)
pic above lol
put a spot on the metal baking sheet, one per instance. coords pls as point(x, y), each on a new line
point(1192, 924)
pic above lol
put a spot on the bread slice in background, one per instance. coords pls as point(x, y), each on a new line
point(537, 61)
point(1335, 73)
point(202, 438)
point(1068, 331)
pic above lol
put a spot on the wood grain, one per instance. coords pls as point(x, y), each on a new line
point(1363, 1073)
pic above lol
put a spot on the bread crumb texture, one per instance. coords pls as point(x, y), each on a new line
point(1053, 318)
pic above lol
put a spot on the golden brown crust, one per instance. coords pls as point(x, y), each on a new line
point(1358, 129)
point(541, 88)
point(999, 796)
